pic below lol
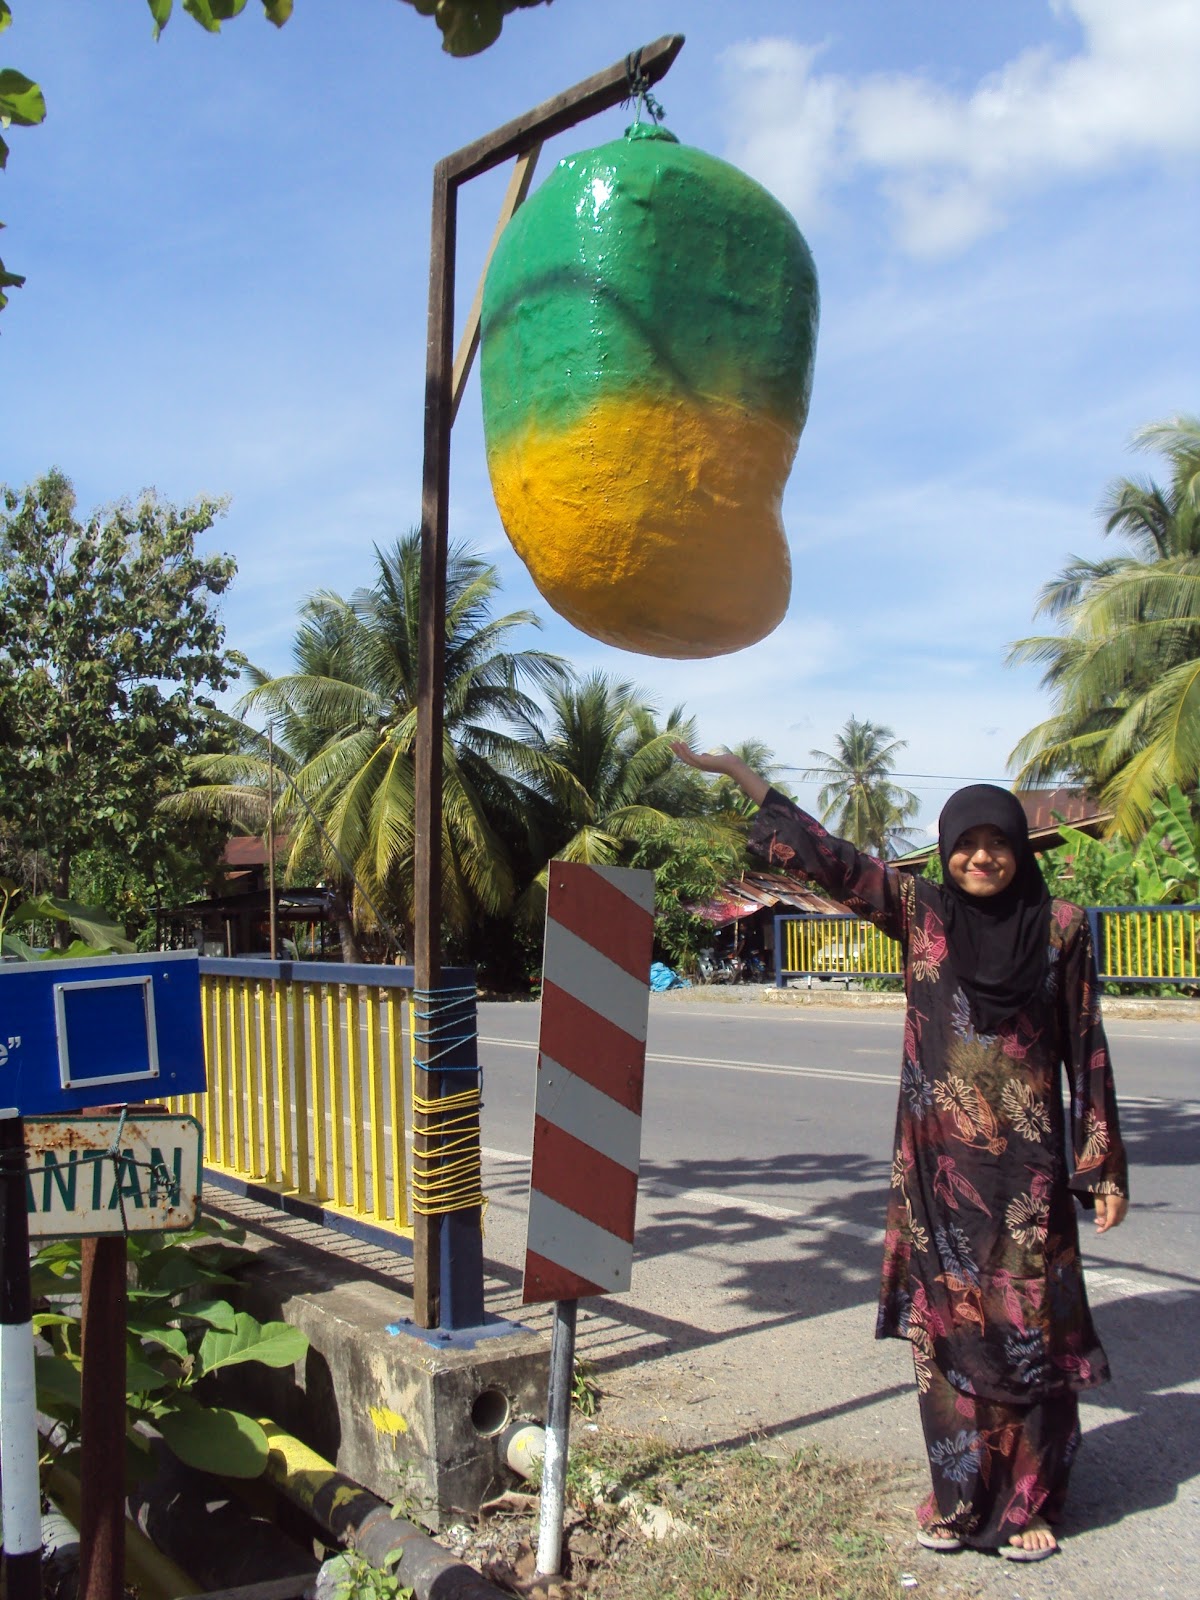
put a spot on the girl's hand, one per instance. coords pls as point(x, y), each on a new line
point(709, 761)
point(1110, 1211)
point(728, 765)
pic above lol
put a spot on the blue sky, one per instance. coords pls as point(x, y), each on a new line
point(226, 241)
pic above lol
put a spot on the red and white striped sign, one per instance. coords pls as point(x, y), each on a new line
point(587, 1128)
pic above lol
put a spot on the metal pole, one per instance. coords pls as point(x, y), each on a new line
point(271, 835)
point(598, 93)
point(21, 1493)
point(102, 1446)
point(558, 1438)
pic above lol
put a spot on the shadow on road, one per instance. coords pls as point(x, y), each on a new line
point(1139, 1461)
point(808, 1264)
point(1161, 1135)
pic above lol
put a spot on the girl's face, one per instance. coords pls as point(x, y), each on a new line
point(982, 861)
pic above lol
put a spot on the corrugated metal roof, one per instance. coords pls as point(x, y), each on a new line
point(751, 892)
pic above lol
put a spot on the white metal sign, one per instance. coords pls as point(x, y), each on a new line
point(93, 1175)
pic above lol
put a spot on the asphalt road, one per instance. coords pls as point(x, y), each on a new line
point(766, 1153)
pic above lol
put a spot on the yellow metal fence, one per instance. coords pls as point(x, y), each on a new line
point(1147, 944)
point(829, 947)
point(308, 1084)
point(1134, 945)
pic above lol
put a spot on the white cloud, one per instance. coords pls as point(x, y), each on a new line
point(950, 164)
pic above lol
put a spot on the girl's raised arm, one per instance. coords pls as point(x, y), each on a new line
point(786, 836)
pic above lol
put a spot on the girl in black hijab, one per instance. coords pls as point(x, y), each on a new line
point(981, 1269)
point(997, 931)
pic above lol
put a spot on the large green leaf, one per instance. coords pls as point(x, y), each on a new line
point(53, 1319)
point(57, 1378)
point(143, 1377)
point(216, 1313)
point(173, 1340)
point(94, 927)
point(1178, 828)
point(21, 101)
point(275, 1344)
point(176, 1271)
point(157, 1311)
point(213, 1439)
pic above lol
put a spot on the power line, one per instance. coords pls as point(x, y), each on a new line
point(933, 777)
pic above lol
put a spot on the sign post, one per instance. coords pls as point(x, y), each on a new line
point(587, 1126)
point(111, 1028)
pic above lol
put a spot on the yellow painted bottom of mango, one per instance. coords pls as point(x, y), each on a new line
point(654, 525)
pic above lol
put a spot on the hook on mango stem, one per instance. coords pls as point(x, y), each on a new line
point(639, 90)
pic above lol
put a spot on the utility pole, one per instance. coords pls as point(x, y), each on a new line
point(271, 837)
point(437, 1240)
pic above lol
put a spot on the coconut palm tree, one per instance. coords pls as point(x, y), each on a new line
point(609, 781)
point(607, 771)
point(857, 794)
point(1125, 669)
point(345, 721)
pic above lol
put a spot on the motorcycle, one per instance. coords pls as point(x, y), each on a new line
point(729, 968)
point(712, 968)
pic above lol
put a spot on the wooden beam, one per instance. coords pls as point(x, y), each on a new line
point(598, 93)
point(431, 682)
point(514, 198)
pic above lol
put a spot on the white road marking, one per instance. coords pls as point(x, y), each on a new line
point(1103, 1286)
point(891, 1079)
point(653, 1188)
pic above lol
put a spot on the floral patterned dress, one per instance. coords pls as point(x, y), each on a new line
point(982, 1270)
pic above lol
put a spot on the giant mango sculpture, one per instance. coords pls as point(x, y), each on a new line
point(648, 331)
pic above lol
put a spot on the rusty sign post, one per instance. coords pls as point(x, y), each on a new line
point(447, 1250)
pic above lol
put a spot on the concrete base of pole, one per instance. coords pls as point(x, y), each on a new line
point(413, 1416)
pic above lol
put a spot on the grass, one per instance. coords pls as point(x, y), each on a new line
point(808, 1526)
point(745, 1525)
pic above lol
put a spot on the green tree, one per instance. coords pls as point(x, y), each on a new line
point(467, 26)
point(857, 795)
point(23, 106)
point(607, 770)
point(760, 758)
point(1162, 868)
point(1124, 671)
point(687, 872)
point(610, 783)
point(347, 721)
point(111, 650)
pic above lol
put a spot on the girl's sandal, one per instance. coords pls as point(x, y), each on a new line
point(937, 1537)
point(1018, 1552)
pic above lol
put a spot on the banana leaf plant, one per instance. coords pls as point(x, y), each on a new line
point(181, 1331)
point(97, 934)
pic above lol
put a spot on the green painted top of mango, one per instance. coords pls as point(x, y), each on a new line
point(647, 268)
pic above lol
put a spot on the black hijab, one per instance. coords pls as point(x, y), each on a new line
point(997, 943)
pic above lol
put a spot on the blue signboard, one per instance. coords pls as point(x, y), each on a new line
point(110, 1030)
